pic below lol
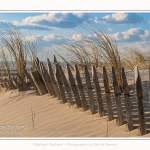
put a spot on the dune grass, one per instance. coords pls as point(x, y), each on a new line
point(134, 58)
point(19, 48)
point(4, 63)
point(98, 49)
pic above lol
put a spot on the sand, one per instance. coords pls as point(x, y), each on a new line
point(24, 114)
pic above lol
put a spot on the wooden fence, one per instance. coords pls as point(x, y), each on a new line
point(90, 92)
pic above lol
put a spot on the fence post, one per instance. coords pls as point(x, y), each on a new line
point(28, 75)
point(74, 87)
point(98, 92)
point(107, 94)
point(139, 94)
point(52, 77)
point(23, 83)
point(66, 84)
point(60, 83)
point(120, 119)
point(38, 82)
point(89, 90)
point(12, 84)
point(31, 83)
point(19, 87)
point(37, 64)
point(47, 80)
point(55, 60)
point(80, 86)
point(127, 101)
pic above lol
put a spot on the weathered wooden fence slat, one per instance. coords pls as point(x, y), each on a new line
point(98, 92)
point(81, 89)
point(43, 76)
point(74, 87)
point(0, 88)
point(28, 75)
point(107, 94)
point(19, 87)
point(66, 84)
point(37, 79)
point(149, 78)
point(47, 80)
point(120, 119)
point(12, 84)
point(37, 64)
point(139, 95)
point(89, 90)
point(22, 81)
point(53, 80)
point(55, 60)
point(60, 83)
point(127, 101)
point(31, 83)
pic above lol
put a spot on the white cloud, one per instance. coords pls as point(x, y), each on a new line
point(30, 38)
point(78, 37)
point(131, 35)
point(52, 37)
point(117, 36)
point(146, 35)
point(24, 25)
point(62, 20)
point(51, 17)
point(116, 17)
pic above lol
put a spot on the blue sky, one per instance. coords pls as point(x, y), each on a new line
point(130, 29)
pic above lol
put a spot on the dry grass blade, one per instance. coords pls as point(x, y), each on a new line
point(134, 58)
point(19, 48)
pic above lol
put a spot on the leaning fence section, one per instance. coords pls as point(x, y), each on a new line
point(88, 91)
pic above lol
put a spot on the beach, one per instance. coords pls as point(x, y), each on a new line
point(25, 114)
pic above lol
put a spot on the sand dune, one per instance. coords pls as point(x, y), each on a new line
point(24, 114)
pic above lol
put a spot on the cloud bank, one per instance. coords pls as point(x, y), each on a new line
point(118, 18)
